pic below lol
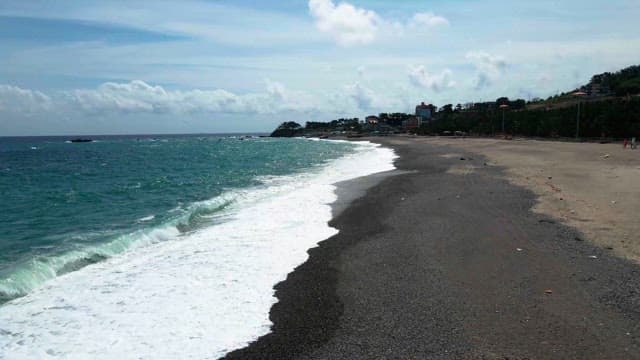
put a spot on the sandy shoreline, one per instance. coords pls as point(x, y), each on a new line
point(592, 187)
point(448, 260)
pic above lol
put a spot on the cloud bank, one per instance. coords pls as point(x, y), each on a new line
point(139, 98)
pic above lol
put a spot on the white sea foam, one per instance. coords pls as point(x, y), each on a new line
point(146, 218)
point(199, 296)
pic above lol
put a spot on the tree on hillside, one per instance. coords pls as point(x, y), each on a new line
point(502, 101)
point(287, 129)
point(629, 87)
point(447, 109)
point(621, 82)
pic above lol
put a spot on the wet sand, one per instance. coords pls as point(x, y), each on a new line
point(450, 261)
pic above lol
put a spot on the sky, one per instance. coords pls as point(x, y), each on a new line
point(218, 66)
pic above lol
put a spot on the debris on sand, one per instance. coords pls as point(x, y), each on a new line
point(546, 221)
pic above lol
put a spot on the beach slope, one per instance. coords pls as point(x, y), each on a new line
point(448, 261)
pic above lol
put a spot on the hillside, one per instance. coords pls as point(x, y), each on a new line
point(602, 87)
point(609, 108)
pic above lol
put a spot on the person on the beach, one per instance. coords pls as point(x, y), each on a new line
point(633, 143)
point(625, 143)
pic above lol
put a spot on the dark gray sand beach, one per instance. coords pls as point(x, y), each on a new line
point(435, 264)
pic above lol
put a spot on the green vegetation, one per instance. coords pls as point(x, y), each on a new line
point(623, 82)
point(394, 119)
point(631, 86)
point(610, 109)
point(335, 125)
point(612, 118)
point(288, 129)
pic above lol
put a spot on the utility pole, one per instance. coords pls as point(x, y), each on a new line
point(503, 107)
point(578, 94)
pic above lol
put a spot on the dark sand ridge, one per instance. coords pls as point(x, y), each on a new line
point(441, 264)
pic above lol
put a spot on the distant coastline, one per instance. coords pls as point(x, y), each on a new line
point(607, 108)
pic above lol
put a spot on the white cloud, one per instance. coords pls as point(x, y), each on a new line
point(359, 97)
point(143, 104)
point(363, 97)
point(16, 99)
point(280, 99)
point(428, 19)
point(135, 96)
point(347, 24)
point(139, 97)
point(489, 67)
point(419, 77)
point(276, 89)
point(486, 62)
point(350, 25)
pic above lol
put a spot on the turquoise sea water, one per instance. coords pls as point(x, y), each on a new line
point(159, 247)
point(67, 205)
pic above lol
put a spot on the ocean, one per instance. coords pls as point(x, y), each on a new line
point(158, 246)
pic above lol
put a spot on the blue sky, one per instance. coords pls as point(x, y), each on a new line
point(83, 67)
